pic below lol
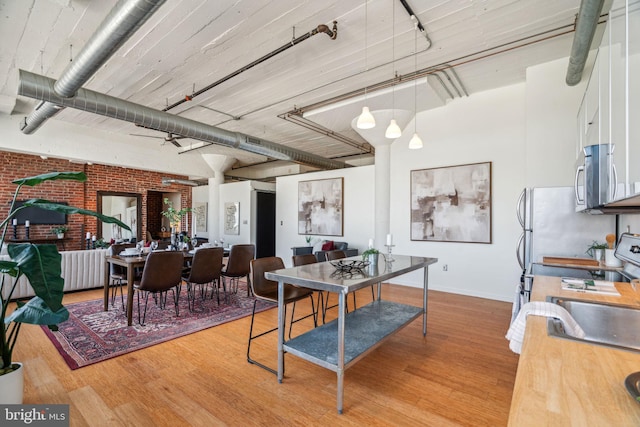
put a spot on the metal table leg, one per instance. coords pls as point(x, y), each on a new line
point(340, 370)
point(424, 303)
point(280, 330)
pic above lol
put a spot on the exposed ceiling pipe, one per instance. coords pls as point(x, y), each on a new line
point(169, 181)
point(123, 20)
point(414, 18)
point(319, 29)
point(586, 24)
point(40, 87)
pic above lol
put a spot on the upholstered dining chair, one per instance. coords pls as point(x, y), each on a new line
point(305, 259)
point(161, 273)
point(205, 270)
point(267, 290)
point(118, 273)
point(238, 266)
point(334, 255)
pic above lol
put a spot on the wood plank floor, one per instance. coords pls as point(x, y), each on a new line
point(461, 374)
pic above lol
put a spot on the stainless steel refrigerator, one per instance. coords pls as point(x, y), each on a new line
point(552, 227)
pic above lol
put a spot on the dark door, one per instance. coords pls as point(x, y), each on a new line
point(265, 224)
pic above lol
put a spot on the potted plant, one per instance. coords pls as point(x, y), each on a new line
point(59, 231)
point(41, 264)
point(308, 240)
point(371, 255)
point(596, 249)
point(174, 216)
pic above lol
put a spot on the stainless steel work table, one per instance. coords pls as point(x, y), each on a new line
point(342, 342)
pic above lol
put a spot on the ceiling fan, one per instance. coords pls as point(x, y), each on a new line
point(169, 138)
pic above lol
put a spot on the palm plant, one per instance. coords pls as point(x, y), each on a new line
point(41, 264)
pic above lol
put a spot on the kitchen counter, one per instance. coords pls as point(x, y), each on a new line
point(563, 382)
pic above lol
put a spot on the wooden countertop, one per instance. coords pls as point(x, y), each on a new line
point(563, 382)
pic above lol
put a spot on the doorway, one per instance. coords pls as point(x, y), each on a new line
point(265, 224)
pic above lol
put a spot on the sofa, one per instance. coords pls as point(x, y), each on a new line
point(80, 270)
point(328, 246)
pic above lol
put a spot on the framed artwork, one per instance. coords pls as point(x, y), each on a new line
point(199, 217)
point(232, 218)
point(116, 230)
point(452, 204)
point(320, 207)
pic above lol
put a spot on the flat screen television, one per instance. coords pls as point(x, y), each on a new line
point(39, 216)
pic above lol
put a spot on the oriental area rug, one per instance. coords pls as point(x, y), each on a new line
point(92, 335)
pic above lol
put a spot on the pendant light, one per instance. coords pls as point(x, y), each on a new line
point(393, 130)
point(365, 120)
point(416, 142)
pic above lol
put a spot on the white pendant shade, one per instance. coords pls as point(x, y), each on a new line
point(415, 143)
point(366, 120)
point(393, 130)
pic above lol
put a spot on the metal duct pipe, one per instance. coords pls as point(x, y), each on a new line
point(42, 88)
point(124, 19)
point(587, 21)
point(169, 181)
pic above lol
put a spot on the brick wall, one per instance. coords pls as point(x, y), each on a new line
point(80, 194)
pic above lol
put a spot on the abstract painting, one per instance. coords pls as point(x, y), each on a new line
point(320, 207)
point(200, 217)
point(452, 204)
point(232, 218)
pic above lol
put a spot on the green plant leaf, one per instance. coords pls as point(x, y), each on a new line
point(37, 312)
point(66, 209)
point(51, 176)
point(42, 266)
point(9, 267)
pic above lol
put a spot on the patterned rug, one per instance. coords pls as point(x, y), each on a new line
point(92, 335)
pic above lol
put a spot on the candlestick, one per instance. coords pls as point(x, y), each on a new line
point(26, 231)
point(88, 241)
point(15, 221)
point(88, 235)
point(15, 231)
point(27, 223)
point(389, 256)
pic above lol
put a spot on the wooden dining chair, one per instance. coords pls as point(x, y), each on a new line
point(238, 266)
point(205, 270)
point(162, 272)
point(267, 290)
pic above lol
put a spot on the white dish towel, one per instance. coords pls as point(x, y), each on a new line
point(515, 334)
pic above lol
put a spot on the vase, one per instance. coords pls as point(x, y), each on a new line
point(597, 254)
point(12, 386)
point(373, 259)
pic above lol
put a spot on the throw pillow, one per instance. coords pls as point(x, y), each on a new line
point(328, 245)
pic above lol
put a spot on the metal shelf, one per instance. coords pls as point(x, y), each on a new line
point(365, 329)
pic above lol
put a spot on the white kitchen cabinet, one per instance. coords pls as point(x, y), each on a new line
point(610, 110)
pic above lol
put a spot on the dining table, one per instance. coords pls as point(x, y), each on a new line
point(130, 262)
point(342, 342)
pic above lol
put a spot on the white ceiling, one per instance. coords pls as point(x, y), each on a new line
point(189, 44)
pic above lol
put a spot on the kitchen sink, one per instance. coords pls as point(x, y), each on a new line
point(605, 324)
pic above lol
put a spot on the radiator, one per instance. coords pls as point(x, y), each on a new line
point(80, 270)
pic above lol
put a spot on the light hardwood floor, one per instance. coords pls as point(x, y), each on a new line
point(461, 374)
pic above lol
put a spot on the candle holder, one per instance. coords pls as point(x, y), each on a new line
point(88, 244)
point(15, 232)
point(389, 256)
point(26, 232)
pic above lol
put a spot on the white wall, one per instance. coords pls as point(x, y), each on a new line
point(358, 192)
point(485, 127)
point(242, 192)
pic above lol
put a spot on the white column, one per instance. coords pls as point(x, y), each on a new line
point(382, 144)
point(220, 164)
